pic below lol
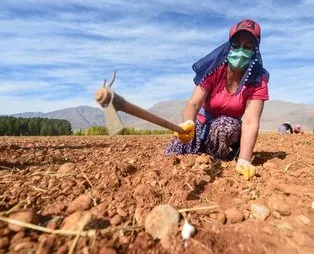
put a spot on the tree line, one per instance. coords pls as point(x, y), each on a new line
point(97, 130)
point(36, 126)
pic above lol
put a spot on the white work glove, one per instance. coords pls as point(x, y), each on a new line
point(246, 169)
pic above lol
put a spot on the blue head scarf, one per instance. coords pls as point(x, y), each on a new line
point(211, 63)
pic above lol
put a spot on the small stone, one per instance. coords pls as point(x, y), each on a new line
point(81, 203)
point(268, 230)
point(279, 206)
point(116, 220)
point(71, 222)
point(161, 220)
point(153, 183)
point(276, 215)
point(24, 216)
point(122, 213)
point(97, 176)
point(220, 217)
point(24, 246)
point(67, 168)
point(260, 212)
point(233, 215)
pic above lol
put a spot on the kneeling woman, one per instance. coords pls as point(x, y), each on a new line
point(228, 100)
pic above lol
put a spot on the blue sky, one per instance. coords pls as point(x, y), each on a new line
point(56, 54)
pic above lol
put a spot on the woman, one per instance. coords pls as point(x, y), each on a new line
point(227, 102)
point(297, 129)
point(284, 128)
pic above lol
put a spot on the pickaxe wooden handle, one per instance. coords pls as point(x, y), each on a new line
point(106, 96)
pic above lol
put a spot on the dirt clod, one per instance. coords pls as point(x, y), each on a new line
point(233, 215)
point(27, 216)
point(279, 206)
point(81, 203)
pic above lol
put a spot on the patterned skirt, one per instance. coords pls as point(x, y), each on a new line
point(223, 133)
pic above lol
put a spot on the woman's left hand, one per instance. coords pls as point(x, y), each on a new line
point(246, 169)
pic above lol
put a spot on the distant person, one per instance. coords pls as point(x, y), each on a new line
point(223, 114)
point(284, 128)
point(297, 129)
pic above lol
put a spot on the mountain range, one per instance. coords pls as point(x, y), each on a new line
point(275, 113)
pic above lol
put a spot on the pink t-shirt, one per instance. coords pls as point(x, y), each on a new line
point(220, 102)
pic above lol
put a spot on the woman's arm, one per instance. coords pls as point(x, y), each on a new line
point(194, 104)
point(250, 127)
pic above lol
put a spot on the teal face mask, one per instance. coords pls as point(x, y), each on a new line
point(239, 58)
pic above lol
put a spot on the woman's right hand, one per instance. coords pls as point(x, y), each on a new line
point(189, 127)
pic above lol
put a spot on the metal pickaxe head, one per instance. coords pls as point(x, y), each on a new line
point(106, 98)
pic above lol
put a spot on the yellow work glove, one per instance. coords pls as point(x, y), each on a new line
point(188, 126)
point(246, 169)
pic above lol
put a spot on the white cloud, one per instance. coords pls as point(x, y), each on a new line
point(65, 49)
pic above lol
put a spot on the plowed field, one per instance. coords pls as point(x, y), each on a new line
point(93, 194)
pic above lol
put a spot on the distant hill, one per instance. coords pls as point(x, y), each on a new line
point(275, 113)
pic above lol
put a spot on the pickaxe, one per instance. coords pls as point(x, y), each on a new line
point(112, 102)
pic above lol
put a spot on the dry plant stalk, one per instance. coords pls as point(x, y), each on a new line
point(189, 186)
point(124, 229)
point(197, 208)
point(18, 205)
point(202, 246)
point(86, 178)
point(86, 219)
point(89, 233)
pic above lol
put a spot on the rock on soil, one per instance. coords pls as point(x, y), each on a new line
point(220, 217)
point(259, 211)
point(67, 168)
point(160, 221)
point(233, 215)
point(27, 216)
point(72, 221)
point(81, 203)
point(279, 206)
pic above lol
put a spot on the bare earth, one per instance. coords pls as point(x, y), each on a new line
point(100, 190)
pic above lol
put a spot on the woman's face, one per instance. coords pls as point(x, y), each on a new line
point(243, 40)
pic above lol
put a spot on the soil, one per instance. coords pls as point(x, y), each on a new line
point(106, 186)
